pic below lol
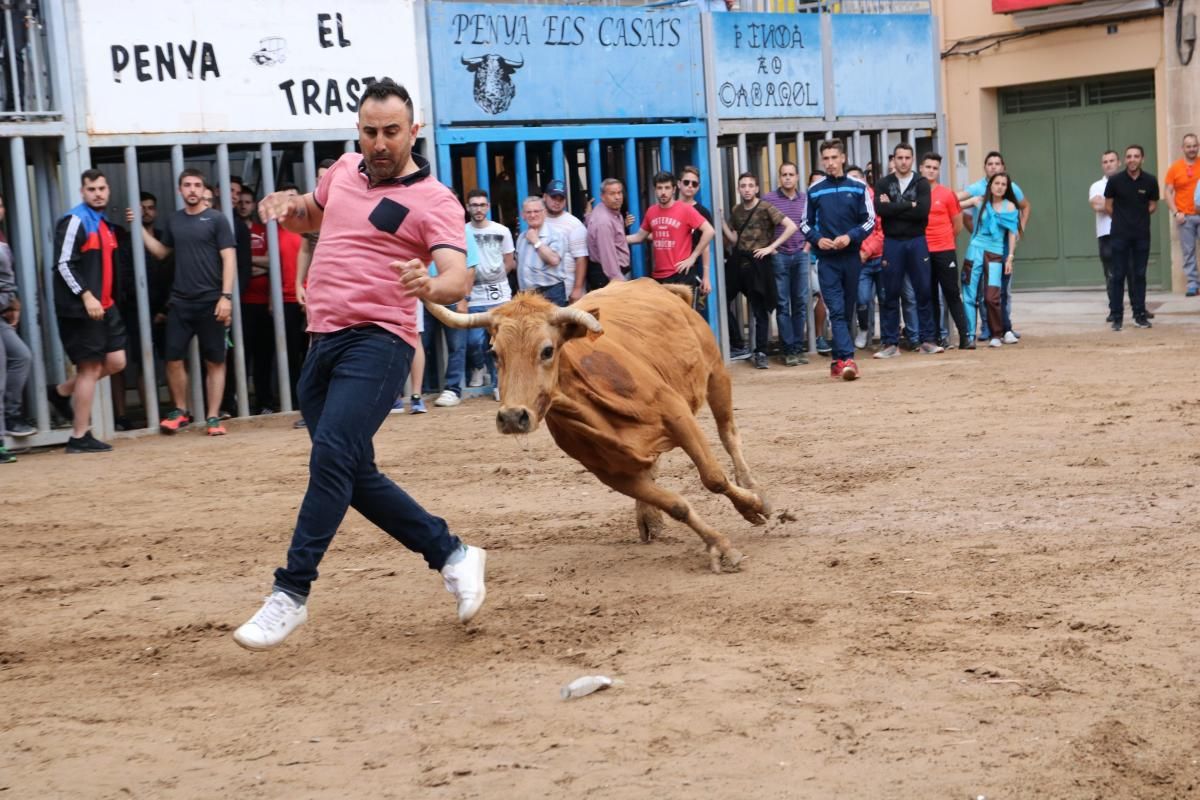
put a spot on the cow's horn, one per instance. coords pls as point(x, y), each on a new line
point(454, 319)
point(515, 64)
point(470, 62)
point(577, 315)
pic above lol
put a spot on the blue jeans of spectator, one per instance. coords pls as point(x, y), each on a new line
point(837, 272)
point(556, 294)
point(791, 284)
point(906, 258)
point(15, 363)
point(908, 308)
point(456, 354)
point(349, 381)
point(1129, 258)
point(870, 281)
point(479, 346)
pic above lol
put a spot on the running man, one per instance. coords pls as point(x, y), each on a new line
point(382, 218)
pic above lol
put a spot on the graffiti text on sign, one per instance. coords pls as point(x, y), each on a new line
point(567, 31)
point(318, 98)
point(638, 32)
point(490, 29)
point(766, 94)
point(165, 61)
point(758, 35)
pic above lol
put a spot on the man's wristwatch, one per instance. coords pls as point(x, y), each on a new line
point(227, 295)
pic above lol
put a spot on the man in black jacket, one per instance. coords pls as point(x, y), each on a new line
point(902, 203)
point(90, 325)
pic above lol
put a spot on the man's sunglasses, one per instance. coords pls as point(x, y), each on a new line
point(689, 183)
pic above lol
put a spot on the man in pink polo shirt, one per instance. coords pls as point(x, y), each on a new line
point(382, 218)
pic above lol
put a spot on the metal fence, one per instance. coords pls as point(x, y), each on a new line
point(24, 63)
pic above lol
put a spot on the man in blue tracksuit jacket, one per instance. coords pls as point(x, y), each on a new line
point(839, 218)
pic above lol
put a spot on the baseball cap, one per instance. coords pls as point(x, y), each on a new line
point(555, 187)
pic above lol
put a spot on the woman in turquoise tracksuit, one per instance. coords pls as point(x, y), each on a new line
point(991, 250)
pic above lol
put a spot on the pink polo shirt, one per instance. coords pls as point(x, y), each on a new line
point(366, 228)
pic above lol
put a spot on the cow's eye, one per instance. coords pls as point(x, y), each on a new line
point(547, 352)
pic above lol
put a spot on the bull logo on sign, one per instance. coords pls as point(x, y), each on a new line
point(494, 89)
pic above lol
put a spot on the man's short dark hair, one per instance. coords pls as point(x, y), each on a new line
point(284, 187)
point(1110, 152)
point(192, 172)
point(90, 175)
point(931, 157)
point(326, 163)
point(477, 192)
point(854, 168)
point(384, 88)
point(749, 175)
point(685, 169)
point(902, 146)
point(832, 144)
point(144, 196)
point(817, 173)
point(247, 190)
point(791, 164)
point(1141, 150)
point(663, 177)
point(991, 154)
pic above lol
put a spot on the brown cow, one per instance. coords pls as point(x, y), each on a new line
point(617, 397)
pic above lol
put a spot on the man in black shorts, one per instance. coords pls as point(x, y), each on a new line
point(201, 297)
point(89, 323)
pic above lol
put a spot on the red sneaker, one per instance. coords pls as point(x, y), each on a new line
point(176, 421)
point(835, 368)
point(849, 370)
point(213, 427)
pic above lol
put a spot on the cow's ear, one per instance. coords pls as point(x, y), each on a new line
point(573, 330)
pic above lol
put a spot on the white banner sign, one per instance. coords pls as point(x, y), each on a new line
point(157, 66)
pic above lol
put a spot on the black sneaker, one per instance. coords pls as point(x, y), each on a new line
point(760, 361)
point(1110, 318)
point(87, 444)
point(60, 404)
point(1116, 326)
point(1142, 322)
point(19, 428)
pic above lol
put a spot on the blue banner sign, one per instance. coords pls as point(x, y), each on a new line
point(883, 64)
point(768, 65)
point(511, 63)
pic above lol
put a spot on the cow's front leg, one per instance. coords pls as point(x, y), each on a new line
point(649, 518)
point(641, 487)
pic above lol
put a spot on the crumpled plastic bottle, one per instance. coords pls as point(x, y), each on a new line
point(588, 684)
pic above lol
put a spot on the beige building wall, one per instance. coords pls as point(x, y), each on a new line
point(970, 83)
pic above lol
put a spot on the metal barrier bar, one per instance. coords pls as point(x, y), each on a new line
point(22, 222)
point(664, 154)
point(241, 385)
point(349, 146)
point(595, 169)
point(556, 160)
point(14, 70)
point(282, 370)
point(34, 40)
point(521, 179)
point(712, 304)
point(482, 172)
point(141, 286)
point(633, 197)
point(310, 166)
point(48, 199)
point(772, 164)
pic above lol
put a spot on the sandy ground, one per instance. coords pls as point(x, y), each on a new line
point(985, 584)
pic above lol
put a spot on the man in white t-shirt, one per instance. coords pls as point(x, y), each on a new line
point(573, 232)
point(1110, 163)
point(491, 287)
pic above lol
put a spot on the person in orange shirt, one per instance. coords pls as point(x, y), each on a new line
point(1179, 188)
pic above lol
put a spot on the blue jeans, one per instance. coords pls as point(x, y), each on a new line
point(906, 258)
point(456, 355)
point(349, 381)
point(1129, 259)
point(479, 347)
point(837, 272)
point(908, 309)
point(556, 294)
point(791, 285)
point(870, 281)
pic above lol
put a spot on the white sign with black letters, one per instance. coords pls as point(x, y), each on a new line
point(234, 65)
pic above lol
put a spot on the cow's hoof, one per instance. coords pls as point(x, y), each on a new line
point(755, 515)
point(650, 524)
point(733, 559)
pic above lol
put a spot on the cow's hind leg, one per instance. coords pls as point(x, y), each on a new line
point(649, 517)
point(720, 400)
point(687, 434)
point(641, 487)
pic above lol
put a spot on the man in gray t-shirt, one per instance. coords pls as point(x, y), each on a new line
point(201, 305)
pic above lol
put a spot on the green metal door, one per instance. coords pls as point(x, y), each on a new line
point(1052, 136)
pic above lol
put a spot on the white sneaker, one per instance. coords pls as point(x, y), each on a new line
point(478, 376)
point(465, 581)
point(447, 398)
point(1010, 338)
point(995, 343)
point(860, 340)
point(496, 394)
point(278, 617)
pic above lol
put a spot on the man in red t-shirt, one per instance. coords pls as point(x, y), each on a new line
point(945, 222)
point(256, 314)
point(670, 225)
